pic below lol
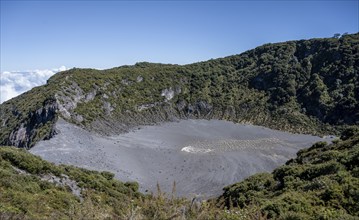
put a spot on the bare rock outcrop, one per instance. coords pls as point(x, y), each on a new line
point(23, 136)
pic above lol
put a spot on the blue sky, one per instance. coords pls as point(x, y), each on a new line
point(104, 34)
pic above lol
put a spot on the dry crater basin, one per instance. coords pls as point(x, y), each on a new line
point(201, 156)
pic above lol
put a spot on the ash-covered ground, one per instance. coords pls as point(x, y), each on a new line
point(201, 156)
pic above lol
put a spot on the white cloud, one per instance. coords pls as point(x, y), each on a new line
point(13, 83)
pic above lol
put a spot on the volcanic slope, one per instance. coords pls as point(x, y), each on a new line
point(306, 86)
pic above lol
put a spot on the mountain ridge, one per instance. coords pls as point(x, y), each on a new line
point(305, 86)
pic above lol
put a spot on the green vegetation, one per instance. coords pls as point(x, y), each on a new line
point(321, 183)
point(307, 86)
point(24, 192)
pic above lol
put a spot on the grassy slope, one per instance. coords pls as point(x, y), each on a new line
point(309, 86)
point(322, 182)
point(24, 194)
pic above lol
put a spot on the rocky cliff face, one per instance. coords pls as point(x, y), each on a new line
point(29, 129)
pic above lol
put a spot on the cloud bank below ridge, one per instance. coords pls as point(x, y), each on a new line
point(13, 83)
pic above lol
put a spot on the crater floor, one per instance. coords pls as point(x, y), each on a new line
point(201, 156)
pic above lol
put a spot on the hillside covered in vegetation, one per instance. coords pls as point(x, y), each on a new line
point(322, 182)
point(307, 86)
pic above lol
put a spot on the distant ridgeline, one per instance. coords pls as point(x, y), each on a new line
point(307, 86)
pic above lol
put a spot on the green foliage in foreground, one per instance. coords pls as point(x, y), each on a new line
point(321, 183)
point(24, 193)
